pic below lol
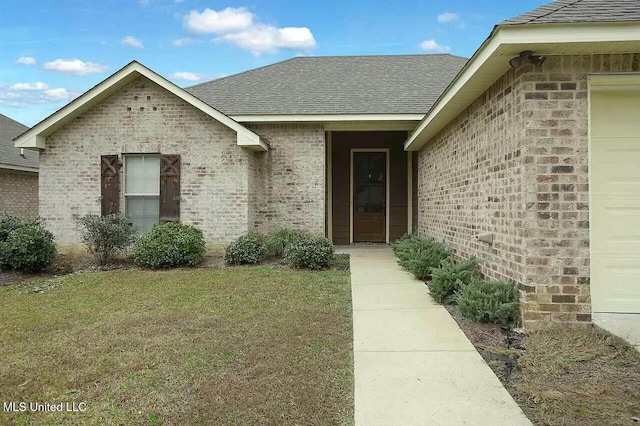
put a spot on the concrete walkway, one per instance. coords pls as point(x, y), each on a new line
point(413, 364)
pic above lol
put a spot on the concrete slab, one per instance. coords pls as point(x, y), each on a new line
point(390, 296)
point(451, 387)
point(626, 326)
point(426, 329)
point(413, 364)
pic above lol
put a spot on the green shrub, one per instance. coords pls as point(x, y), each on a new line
point(248, 249)
point(169, 245)
point(28, 248)
point(310, 251)
point(490, 301)
point(107, 235)
point(280, 238)
point(10, 223)
point(420, 255)
point(451, 278)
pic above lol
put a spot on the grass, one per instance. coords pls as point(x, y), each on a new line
point(561, 375)
point(231, 346)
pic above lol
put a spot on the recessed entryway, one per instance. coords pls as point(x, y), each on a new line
point(615, 193)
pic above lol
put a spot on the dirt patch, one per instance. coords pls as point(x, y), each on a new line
point(561, 375)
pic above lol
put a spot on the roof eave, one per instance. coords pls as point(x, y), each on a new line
point(491, 61)
point(35, 138)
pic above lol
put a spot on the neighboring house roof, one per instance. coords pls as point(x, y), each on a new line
point(35, 138)
point(568, 11)
point(612, 27)
point(393, 84)
point(11, 157)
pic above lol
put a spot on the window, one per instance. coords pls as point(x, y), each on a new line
point(142, 190)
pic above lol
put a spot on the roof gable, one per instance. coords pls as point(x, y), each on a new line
point(567, 11)
point(10, 156)
point(331, 85)
point(35, 138)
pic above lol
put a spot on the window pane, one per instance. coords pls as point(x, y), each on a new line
point(142, 175)
point(143, 212)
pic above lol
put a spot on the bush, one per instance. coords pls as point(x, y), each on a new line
point(280, 238)
point(249, 248)
point(107, 235)
point(451, 278)
point(29, 248)
point(10, 223)
point(420, 255)
point(490, 301)
point(169, 245)
point(310, 251)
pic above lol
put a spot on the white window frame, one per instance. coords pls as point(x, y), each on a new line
point(125, 194)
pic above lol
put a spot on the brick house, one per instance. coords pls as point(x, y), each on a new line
point(530, 143)
point(18, 172)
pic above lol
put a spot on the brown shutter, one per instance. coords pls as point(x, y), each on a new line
point(110, 184)
point(169, 188)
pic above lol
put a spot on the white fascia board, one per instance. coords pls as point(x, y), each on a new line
point(513, 35)
point(34, 138)
point(312, 118)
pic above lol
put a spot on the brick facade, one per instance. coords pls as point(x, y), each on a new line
point(221, 183)
point(19, 193)
point(290, 178)
point(515, 163)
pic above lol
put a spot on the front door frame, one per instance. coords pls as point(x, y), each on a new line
point(387, 192)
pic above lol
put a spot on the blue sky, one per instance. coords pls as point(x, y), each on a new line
point(52, 51)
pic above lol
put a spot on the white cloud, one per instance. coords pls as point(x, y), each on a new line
point(241, 28)
point(447, 17)
point(213, 22)
point(179, 42)
point(22, 95)
point(58, 94)
point(132, 41)
point(187, 76)
point(266, 38)
point(26, 60)
point(22, 87)
point(432, 46)
point(75, 67)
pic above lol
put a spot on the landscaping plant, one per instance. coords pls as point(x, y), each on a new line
point(310, 251)
point(105, 236)
point(25, 245)
point(420, 255)
point(450, 278)
point(489, 301)
point(280, 238)
point(169, 245)
point(248, 249)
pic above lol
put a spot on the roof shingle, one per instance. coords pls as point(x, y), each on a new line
point(394, 84)
point(9, 155)
point(573, 11)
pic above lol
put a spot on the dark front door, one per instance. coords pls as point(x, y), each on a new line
point(369, 196)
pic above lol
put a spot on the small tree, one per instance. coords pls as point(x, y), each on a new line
point(107, 235)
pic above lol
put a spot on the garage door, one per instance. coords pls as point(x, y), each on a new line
point(615, 199)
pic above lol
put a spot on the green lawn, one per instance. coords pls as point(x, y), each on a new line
point(230, 346)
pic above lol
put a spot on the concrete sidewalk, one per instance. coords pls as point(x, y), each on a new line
point(413, 364)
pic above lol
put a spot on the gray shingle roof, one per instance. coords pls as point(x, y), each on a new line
point(398, 84)
point(567, 11)
point(9, 155)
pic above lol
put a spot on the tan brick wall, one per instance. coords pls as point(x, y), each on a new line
point(470, 180)
point(538, 204)
point(290, 178)
point(557, 190)
point(144, 118)
point(19, 193)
